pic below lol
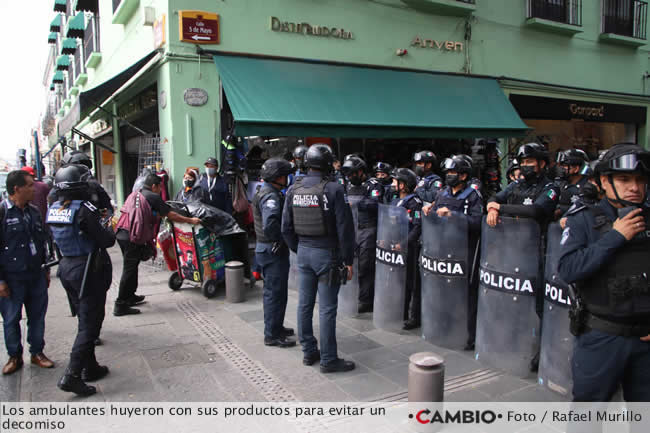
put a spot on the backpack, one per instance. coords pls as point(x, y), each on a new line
point(137, 218)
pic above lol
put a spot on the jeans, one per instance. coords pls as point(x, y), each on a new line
point(31, 292)
point(275, 269)
point(129, 281)
point(313, 266)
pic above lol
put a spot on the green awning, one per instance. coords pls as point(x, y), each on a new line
point(76, 26)
point(69, 46)
point(58, 77)
point(55, 25)
point(293, 98)
point(86, 5)
point(60, 6)
point(51, 38)
point(62, 63)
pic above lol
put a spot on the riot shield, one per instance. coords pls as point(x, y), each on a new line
point(507, 335)
point(445, 269)
point(557, 341)
point(349, 292)
point(390, 272)
point(293, 281)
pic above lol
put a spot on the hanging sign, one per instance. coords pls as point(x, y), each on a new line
point(198, 27)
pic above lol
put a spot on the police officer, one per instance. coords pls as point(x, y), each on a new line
point(299, 160)
point(428, 182)
point(383, 182)
point(338, 174)
point(460, 197)
point(317, 223)
point(606, 253)
point(573, 166)
point(22, 279)
point(408, 199)
point(271, 252)
point(513, 172)
point(473, 181)
point(367, 199)
point(85, 271)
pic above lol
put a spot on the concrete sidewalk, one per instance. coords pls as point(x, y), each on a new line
point(184, 347)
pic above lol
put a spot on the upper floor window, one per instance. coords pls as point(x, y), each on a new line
point(562, 11)
point(625, 18)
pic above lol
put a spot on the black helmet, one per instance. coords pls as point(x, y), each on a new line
point(572, 157)
point(299, 152)
point(77, 157)
point(352, 164)
point(407, 176)
point(514, 165)
point(425, 156)
point(532, 150)
point(624, 158)
point(382, 167)
point(72, 178)
point(274, 168)
point(457, 163)
point(320, 157)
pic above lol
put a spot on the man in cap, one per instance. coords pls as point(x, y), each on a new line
point(215, 189)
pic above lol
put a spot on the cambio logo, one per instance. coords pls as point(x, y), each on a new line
point(458, 417)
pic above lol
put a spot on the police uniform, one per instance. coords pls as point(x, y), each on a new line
point(570, 194)
point(539, 198)
point(611, 275)
point(340, 179)
point(413, 301)
point(272, 256)
point(468, 202)
point(317, 223)
point(98, 196)
point(22, 253)
point(428, 187)
point(78, 232)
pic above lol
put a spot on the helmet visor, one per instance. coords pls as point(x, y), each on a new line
point(448, 164)
point(631, 162)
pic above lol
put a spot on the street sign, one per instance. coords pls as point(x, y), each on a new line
point(198, 27)
point(159, 37)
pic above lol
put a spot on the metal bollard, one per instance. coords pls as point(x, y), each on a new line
point(426, 377)
point(235, 289)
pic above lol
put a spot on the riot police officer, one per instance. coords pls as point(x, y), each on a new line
point(428, 183)
point(573, 166)
point(513, 172)
point(317, 223)
point(85, 271)
point(299, 160)
point(271, 252)
point(367, 195)
point(408, 199)
point(606, 253)
point(460, 197)
point(382, 183)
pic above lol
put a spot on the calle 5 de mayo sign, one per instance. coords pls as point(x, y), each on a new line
point(198, 27)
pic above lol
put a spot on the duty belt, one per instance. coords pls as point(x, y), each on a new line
point(614, 328)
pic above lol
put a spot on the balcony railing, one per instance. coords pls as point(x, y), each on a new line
point(625, 18)
point(562, 11)
point(91, 38)
point(78, 64)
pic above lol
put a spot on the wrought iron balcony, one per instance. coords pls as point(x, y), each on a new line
point(561, 11)
point(625, 18)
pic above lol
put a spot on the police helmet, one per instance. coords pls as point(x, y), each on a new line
point(532, 150)
point(466, 158)
point(274, 168)
point(407, 176)
point(77, 157)
point(514, 165)
point(382, 167)
point(624, 158)
point(73, 177)
point(319, 156)
point(425, 156)
point(457, 163)
point(572, 157)
point(352, 164)
point(299, 151)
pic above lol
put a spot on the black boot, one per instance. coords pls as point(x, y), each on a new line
point(91, 374)
point(71, 382)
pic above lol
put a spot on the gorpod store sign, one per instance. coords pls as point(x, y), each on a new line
point(303, 28)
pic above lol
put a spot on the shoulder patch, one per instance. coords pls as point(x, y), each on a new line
point(437, 184)
point(271, 204)
point(420, 183)
point(90, 206)
point(552, 194)
point(565, 236)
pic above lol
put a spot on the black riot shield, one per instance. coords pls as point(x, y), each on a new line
point(557, 341)
point(390, 272)
point(349, 292)
point(445, 269)
point(507, 335)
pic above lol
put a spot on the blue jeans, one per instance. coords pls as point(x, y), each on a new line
point(313, 266)
point(31, 292)
point(275, 270)
point(601, 361)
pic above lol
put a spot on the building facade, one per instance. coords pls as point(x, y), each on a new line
point(129, 86)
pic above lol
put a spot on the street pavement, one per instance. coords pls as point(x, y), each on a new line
point(184, 347)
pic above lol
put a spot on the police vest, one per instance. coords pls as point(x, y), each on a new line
point(620, 288)
point(64, 224)
point(459, 203)
point(570, 193)
point(524, 193)
point(354, 190)
point(308, 207)
point(257, 213)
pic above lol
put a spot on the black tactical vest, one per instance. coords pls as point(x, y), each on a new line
point(257, 213)
point(522, 192)
point(357, 189)
point(459, 203)
point(620, 288)
point(308, 207)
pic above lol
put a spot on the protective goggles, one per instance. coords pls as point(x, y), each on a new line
point(448, 164)
point(631, 162)
point(383, 167)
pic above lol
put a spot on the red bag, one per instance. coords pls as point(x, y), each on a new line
point(137, 218)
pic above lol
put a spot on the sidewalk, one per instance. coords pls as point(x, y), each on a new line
point(184, 347)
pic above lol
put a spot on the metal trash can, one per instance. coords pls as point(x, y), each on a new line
point(235, 288)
